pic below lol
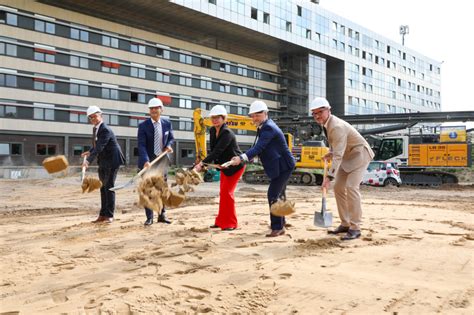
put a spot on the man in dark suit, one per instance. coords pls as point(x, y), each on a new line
point(109, 157)
point(276, 158)
point(155, 136)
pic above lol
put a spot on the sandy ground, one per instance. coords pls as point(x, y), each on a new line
point(416, 254)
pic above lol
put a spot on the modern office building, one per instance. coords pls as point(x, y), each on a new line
point(57, 57)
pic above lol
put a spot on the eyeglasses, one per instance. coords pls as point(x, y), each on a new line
point(319, 112)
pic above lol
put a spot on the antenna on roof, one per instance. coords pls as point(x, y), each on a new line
point(404, 30)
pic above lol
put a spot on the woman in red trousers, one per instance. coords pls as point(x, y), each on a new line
point(223, 147)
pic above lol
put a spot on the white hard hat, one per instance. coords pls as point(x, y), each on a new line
point(258, 106)
point(217, 111)
point(93, 109)
point(155, 102)
point(319, 102)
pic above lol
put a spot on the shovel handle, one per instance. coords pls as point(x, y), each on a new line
point(325, 174)
point(151, 164)
point(83, 169)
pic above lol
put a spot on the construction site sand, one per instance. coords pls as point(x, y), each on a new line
point(415, 254)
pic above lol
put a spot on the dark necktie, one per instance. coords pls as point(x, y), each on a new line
point(94, 131)
point(326, 134)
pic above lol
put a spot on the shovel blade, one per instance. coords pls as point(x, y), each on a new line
point(323, 218)
point(118, 187)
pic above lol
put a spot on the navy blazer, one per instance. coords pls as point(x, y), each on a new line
point(272, 149)
point(107, 149)
point(146, 139)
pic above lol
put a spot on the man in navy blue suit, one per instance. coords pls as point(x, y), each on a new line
point(155, 136)
point(109, 157)
point(276, 158)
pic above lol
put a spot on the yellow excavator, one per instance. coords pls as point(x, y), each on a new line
point(308, 155)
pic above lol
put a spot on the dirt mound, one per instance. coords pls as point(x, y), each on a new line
point(324, 243)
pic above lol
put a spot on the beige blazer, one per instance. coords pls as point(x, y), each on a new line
point(349, 149)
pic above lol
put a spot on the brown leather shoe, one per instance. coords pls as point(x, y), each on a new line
point(340, 229)
point(108, 220)
point(99, 219)
point(276, 233)
point(351, 235)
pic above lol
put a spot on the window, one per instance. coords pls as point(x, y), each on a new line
point(224, 67)
point(162, 77)
point(46, 149)
point(187, 153)
point(79, 117)
point(163, 53)
point(43, 113)
point(11, 148)
point(79, 89)
point(137, 97)
point(110, 67)
point(45, 27)
point(110, 93)
point(308, 34)
point(254, 13)
point(8, 111)
point(135, 47)
point(185, 124)
point(137, 72)
point(299, 9)
point(134, 122)
point(12, 19)
point(241, 91)
point(8, 80)
point(184, 103)
point(212, 1)
point(288, 26)
point(266, 18)
point(206, 63)
point(77, 150)
point(110, 41)
point(206, 84)
point(224, 88)
point(44, 85)
point(79, 62)
point(79, 34)
point(185, 81)
point(45, 55)
point(110, 119)
point(185, 59)
point(7, 49)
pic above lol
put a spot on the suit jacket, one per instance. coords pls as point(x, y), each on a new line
point(347, 146)
point(223, 148)
point(272, 149)
point(107, 149)
point(146, 139)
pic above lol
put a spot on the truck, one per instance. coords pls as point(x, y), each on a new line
point(423, 159)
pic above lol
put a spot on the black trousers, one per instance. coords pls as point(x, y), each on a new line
point(276, 190)
point(107, 176)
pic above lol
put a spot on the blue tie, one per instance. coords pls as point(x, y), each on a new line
point(157, 144)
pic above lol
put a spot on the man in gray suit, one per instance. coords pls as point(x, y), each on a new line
point(350, 155)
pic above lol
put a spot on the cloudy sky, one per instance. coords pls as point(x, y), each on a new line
point(441, 30)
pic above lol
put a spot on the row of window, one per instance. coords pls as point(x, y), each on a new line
point(102, 38)
point(51, 55)
point(107, 91)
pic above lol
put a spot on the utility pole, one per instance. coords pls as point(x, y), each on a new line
point(404, 30)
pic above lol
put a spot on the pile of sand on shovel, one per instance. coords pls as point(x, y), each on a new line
point(154, 193)
point(282, 208)
point(90, 183)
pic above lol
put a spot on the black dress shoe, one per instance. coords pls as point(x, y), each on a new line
point(148, 222)
point(163, 219)
point(276, 233)
point(351, 235)
point(214, 226)
point(340, 229)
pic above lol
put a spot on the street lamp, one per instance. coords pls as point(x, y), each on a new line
point(403, 31)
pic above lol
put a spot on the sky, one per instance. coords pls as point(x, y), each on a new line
point(441, 30)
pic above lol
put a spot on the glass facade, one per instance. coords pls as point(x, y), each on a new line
point(379, 74)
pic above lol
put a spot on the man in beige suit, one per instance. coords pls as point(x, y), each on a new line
point(350, 155)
